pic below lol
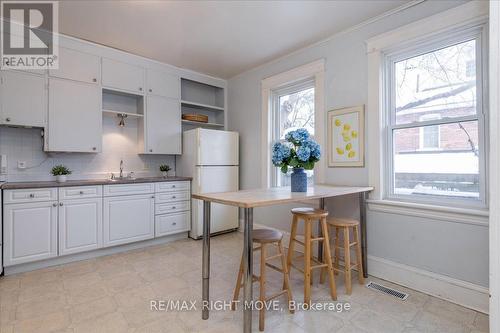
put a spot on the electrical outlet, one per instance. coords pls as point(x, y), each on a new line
point(21, 164)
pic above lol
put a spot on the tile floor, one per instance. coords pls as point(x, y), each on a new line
point(113, 294)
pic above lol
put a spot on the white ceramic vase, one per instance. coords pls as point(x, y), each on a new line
point(61, 178)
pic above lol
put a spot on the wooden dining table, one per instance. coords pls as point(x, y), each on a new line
point(250, 199)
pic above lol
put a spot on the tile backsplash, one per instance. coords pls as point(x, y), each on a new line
point(119, 143)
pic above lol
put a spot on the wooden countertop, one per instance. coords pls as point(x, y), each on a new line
point(87, 182)
point(278, 195)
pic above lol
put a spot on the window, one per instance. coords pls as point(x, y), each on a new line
point(435, 127)
point(292, 108)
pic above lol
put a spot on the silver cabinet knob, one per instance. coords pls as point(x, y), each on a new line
point(175, 223)
point(7, 119)
point(54, 205)
point(151, 150)
point(94, 148)
point(140, 88)
point(81, 192)
point(32, 195)
point(150, 90)
point(173, 186)
point(94, 80)
point(173, 197)
point(173, 207)
point(60, 204)
point(152, 197)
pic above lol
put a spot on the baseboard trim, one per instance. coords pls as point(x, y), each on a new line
point(21, 268)
point(460, 292)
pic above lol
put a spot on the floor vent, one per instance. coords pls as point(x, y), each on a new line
point(389, 291)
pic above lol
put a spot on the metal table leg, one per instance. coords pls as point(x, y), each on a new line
point(320, 232)
point(248, 271)
point(362, 217)
point(206, 260)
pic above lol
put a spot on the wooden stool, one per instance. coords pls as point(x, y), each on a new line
point(342, 225)
point(310, 215)
point(266, 237)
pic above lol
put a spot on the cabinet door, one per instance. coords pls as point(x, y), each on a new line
point(163, 125)
point(163, 84)
point(78, 66)
point(30, 232)
point(122, 76)
point(23, 99)
point(128, 219)
point(80, 225)
point(75, 116)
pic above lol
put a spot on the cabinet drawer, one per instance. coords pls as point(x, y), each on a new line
point(172, 197)
point(172, 186)
point(172, 223)
point(128, 189)
point(80, 192)
point(172, 207)
point(122, 76)
point(30, 195)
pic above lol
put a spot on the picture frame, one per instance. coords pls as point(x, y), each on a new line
point(346, 137)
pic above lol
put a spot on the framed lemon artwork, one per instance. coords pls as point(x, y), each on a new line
point(346, 137)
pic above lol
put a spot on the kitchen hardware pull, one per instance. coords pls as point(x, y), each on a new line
point(140, 88)
point(173, 197)
point(81, 192)
point(60, 204)
point(151, 150)
point(173, 186)
point(7, 119)
point(94, 148)
point(32, 195)
point(152, 197)
point(150, 90)
point(175, 223)
point(54, 205)
point(94, 80)
point(173, 207)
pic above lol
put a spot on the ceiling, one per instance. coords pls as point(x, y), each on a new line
point(219, 38)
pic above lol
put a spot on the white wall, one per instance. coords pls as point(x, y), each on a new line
point(447, 248)
point(22, 144)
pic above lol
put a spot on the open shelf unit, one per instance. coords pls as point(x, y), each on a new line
point(205, 99)
point(128, 114)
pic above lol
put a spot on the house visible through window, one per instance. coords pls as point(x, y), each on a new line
point(435, 139)
point(293, 108)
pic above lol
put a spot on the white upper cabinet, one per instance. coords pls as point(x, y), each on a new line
point(163, 84)
point(75, 117)
point(78, 66)
point(163, 125)
point(122, 76)
point(23, 98)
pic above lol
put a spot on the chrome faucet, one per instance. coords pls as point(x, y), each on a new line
point(121, 169)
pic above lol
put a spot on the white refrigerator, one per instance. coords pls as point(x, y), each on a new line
point(210, 157)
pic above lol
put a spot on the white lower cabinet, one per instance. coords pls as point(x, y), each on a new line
point(128, 219)
point(80, 225)
point(30, 232)
point(172, 223)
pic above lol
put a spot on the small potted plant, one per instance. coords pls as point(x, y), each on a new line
point(164, 170)
point(60, 172)
point(299, 152)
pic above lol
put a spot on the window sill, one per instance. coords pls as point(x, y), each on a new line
point(450, 214)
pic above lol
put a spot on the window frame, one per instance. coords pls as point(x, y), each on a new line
point(396, 54)
point(290, 88)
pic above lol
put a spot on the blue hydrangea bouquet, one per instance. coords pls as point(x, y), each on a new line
point(299, 152)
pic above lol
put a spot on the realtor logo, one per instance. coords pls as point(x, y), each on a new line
point(29, 35)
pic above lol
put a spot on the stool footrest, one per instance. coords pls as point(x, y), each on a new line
point(274, 257)
point(317, 239)
point(342, 246)
point(278, 294)
point(276, 268)
point(319, 266)
point(300, 242)
point(297, 268)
